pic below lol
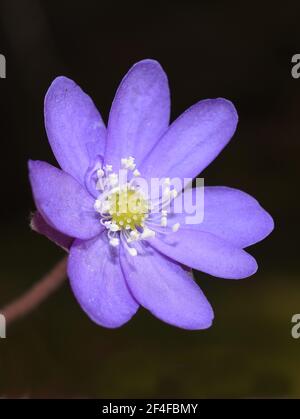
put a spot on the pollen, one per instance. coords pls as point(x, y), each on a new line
point(128, 209)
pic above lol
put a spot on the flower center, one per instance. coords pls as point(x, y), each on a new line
point(128, 208)
point(124, 210)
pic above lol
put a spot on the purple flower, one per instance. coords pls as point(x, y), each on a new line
point(122, 259)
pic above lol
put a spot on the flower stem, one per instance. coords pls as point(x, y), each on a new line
point(37, 294)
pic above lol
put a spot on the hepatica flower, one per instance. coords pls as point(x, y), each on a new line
point(128, 248)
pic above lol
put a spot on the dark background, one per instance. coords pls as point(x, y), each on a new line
point(238, 50)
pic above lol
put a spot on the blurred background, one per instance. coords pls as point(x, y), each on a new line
point(209, 49)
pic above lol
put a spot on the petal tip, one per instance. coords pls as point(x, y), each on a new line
point(252, 268)
point(36, 164)
point(60, 86)
point(227, 106)
point(61, 80)
point(148, 61)
point(208, 322)
point(32, 165)
point(150, 68)
point(202, 323)
point(270, 224)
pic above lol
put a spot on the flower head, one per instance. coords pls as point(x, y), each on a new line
point(128, 247)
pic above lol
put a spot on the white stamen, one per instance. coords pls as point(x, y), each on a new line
point(132, 251)
point(147, 233)
point(105, 207)
point(114, 242)
point(100, 173)
point(163, 221)
point(134, 235)
point(107, 224)
point(167, 191)
point(175, 227)
point(124, 236)
point(114, 227)
point(174, 193)
point(113, 179)
point(131, 164)
point(128, 163)
point(97, 205)
point(108, 168)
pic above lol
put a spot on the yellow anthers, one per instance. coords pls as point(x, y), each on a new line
point(127, 208)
